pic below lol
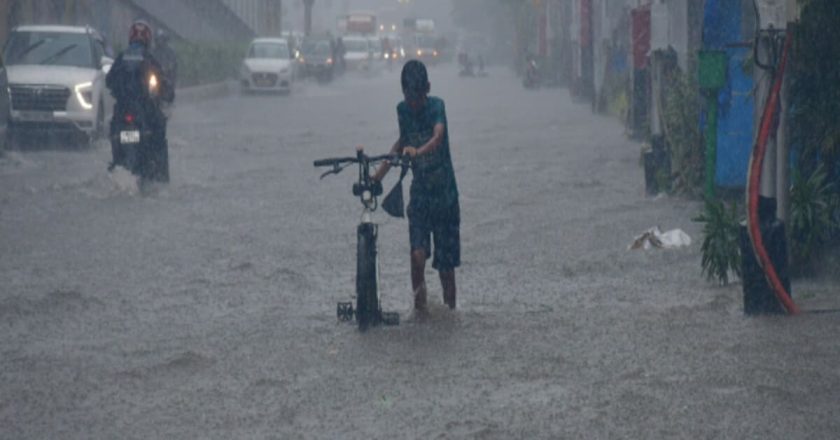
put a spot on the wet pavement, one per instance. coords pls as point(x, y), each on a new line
point(206, 308)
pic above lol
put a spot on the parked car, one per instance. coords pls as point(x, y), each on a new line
point(358, 53)
point(269, 66)
point(4, 107)
point(57, 79)
point(316, 58)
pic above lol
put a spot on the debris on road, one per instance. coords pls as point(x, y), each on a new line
point(655, 238)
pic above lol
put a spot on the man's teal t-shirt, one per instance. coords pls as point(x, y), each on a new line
point(433, 174)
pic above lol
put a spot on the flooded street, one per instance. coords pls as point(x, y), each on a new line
point(206, 308)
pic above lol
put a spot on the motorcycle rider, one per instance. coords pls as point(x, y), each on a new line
point(129, 82)
point(532, 71)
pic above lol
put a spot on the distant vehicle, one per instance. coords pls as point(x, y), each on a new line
point(376, 48)
point(394, 50)
point(316, 58)
point(4, 107)
point(425, 49)
point(268, 66)
point(56, 79)
point(361, 23)
point(358, 53)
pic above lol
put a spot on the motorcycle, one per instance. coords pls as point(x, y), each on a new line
point(138, 135)
point(532, 75)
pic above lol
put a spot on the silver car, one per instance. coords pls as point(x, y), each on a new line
point(269, 66)
point(57, 79)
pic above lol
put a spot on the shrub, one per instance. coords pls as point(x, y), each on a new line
point(721, 241)
point(682, 131)
point(814, 204)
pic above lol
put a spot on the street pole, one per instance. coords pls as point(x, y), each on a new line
point(774, 177)
point(307, 16)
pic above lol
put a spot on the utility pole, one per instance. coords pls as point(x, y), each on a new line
point(774, 177)
point(307, 16)
point(274, 17)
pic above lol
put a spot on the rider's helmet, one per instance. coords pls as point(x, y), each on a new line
point(140, 33)
point(415, 80)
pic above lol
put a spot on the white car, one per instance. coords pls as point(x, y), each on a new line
point(357, 53)
point(269, 66)
point(57, 79)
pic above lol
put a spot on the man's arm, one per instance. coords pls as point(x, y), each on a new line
point(428, 147)
point(384, 167)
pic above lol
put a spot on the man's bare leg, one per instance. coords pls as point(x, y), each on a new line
point(447, 281)
point(418, 278)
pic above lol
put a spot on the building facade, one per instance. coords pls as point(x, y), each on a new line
point(264, 17)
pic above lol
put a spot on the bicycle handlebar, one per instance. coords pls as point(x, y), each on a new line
point(394, 158)
point(334, 161)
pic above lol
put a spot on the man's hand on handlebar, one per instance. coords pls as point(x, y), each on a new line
point(410, 151)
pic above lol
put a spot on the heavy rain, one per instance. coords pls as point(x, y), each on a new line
point(425, 219)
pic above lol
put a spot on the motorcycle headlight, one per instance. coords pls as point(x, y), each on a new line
point(84, 93)
point(153, 83)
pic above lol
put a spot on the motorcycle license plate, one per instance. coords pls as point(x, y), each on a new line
point(130, 137)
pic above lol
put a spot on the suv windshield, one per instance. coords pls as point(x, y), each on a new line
point(49, 48)
point(269, 50)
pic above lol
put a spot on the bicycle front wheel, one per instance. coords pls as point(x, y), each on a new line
point(367, 298)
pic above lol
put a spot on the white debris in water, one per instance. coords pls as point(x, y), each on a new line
point(655, 238)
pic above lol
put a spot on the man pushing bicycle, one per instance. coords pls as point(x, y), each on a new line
point(433, 211)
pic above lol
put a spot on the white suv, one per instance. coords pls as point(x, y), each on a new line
point(57, 79)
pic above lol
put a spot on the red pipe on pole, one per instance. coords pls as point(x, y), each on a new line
point(754, 182)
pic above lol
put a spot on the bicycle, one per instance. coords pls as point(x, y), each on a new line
point(368, 310)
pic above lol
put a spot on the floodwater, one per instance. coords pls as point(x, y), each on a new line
point(206, 308)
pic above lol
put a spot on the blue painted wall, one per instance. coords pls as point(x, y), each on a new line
point(722, 27)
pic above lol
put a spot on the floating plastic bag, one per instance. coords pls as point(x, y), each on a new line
point(655, 238)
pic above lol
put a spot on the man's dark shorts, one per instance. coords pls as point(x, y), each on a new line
point(433, 222)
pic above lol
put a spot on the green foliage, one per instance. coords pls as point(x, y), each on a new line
point(815, 83)
point(681, 113)
point(202, 63)
point(815, 130)
point(814, 205)
point(721, 242)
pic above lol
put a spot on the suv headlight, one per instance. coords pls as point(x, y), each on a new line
point(84, 93)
